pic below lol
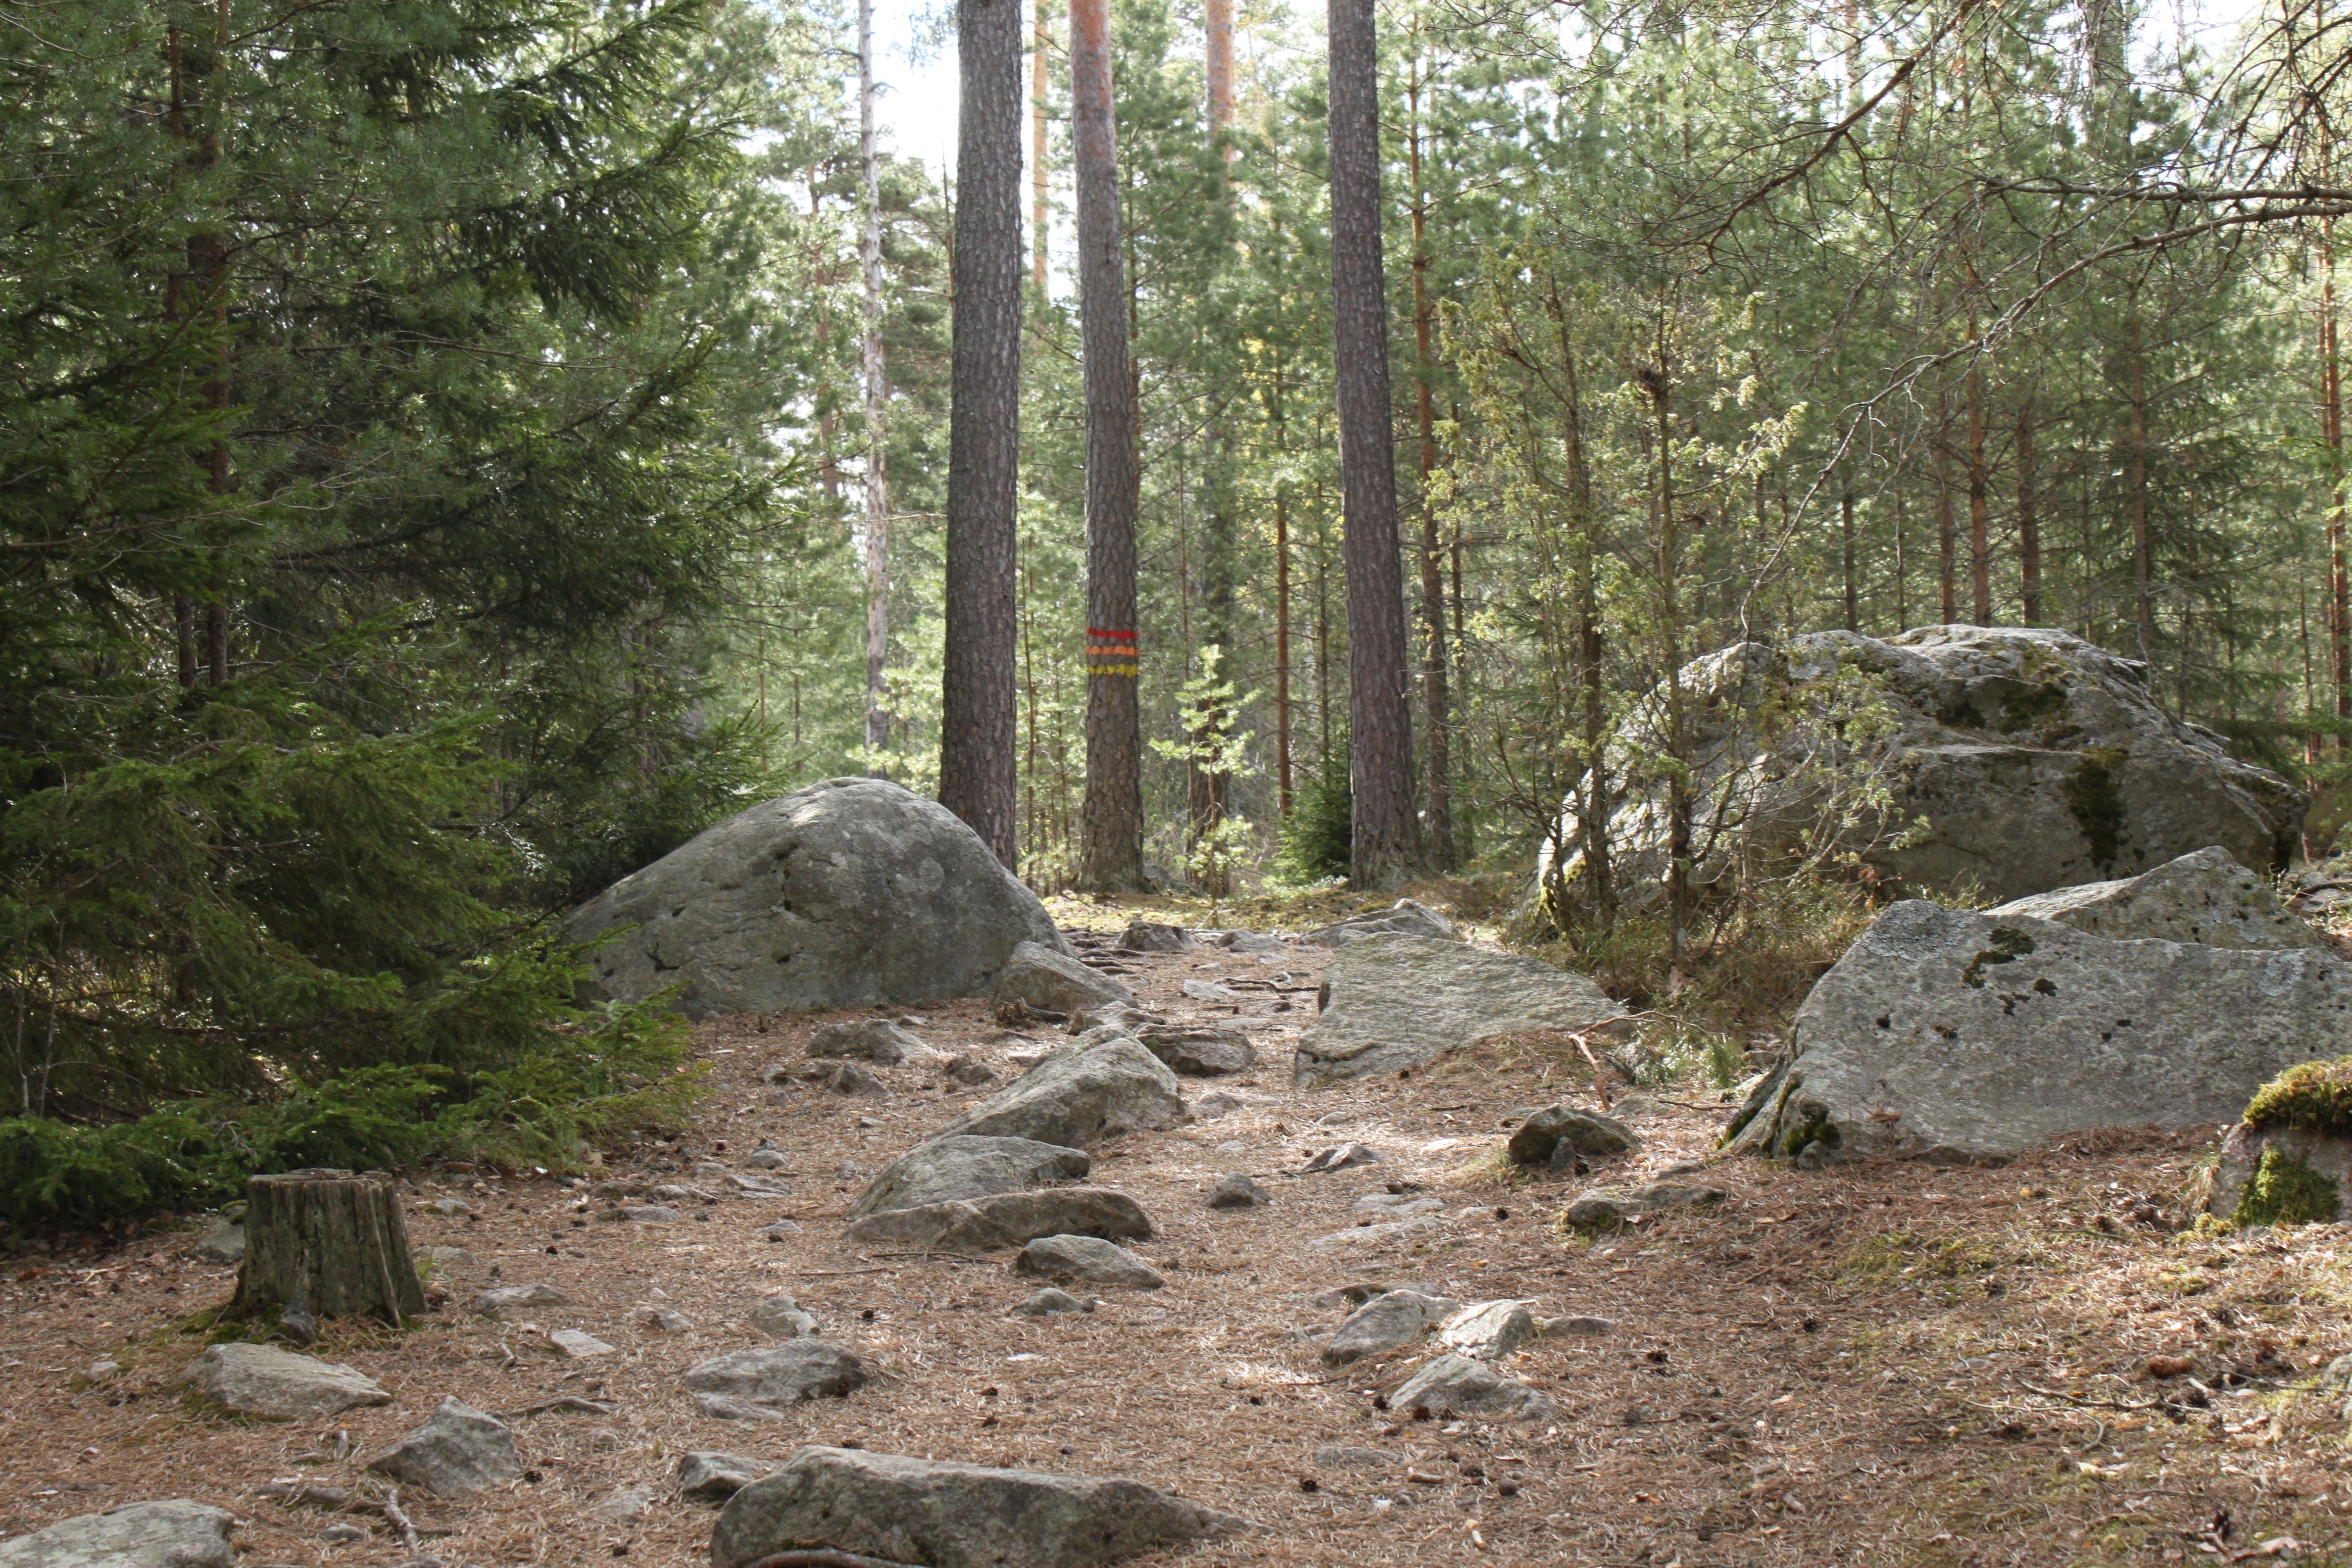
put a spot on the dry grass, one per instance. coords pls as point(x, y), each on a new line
point(1886, 1364)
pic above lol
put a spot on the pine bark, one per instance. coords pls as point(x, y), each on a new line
point(329, 1243)
point(978, 765)
point(1437, 767)
point(1041, 211)
point(1110, 849)
point(1387, 837)
point(877, 481)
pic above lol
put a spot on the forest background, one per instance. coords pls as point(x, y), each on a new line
point(438, 447)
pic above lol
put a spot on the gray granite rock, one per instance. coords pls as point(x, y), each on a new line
point(1954, 1036)
point(1199, 1052)
point(1087, 1260)
point(951, 1167)
point(1051, 1303)
point(1407, 917)
point(281, 1385)
point(1049, 978)
point(1487, 1330)
point(763, 1384)
point(845, 894)
point(1391, 1003)
point(1341, 1157)
point(947, 1515)
point(175, 1534)
point(220, 1241)
point(2206, 897)
point(850, 1079)
point(874, 1040)
point(968, 1071)
point(1385, 1324)
point(577, 1344)
point(1455, 1385)
point(1540, 1140)
point(2036, 760)
point(1077, 1097)
point(498, 1300)
point(780, 1317)
point(1152, 936)
point(1235, 1190)
point(457, 1451)
point(1582, 1326)
point(709, 1474)
point(1610, 1207)
point(1005, 1219)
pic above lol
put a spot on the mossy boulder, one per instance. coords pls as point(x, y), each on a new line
point(2289, 1161)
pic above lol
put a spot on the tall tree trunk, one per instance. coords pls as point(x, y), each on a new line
point(1436, 718)
point(1946, 532)
point(1217, 28)
point(1282, 652)
point(1387, 847)
point(2339, 582)
point(208, 259)
point(183, 609)
point(1110, 849)
point(1979, 538)
point(1041, 209)
point(877, 391)
point(2029, 516)
point(2135, 489)
point(977, 762)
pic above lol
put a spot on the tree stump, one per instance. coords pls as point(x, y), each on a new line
point(328, 1245)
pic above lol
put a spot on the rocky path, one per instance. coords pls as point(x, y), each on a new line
point(1820, 1367)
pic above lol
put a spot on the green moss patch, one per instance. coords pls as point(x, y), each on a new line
point(2286, 1191)
point(2314, 1095)
point(2008, 945)
point(2096, 799)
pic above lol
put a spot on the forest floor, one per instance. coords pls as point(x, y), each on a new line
point(1877, 1364)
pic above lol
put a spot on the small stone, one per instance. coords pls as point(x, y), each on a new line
point(457, 1452)
point(177, 1533)
point(575, 1345)
point(105, 1369)
point(500, 1299)
point(1608, 1208)
point(1235, 1190)
point(710, 1476)
point(1487, 1330)
point(663, 1319)
point(764, 1384)
point(279, 1384)
point(448, 1208)
point(1456, 1386)
point(1344, 1157)
point(1582, 1327)
point(1209, 990)
point(848, 1078)
point(447, 1259)
point(647, 1214)
point(780, 1317)
point(221, 1241)
point(1384, 1324)
point(1334, 1119)
point(1210, 1106)
point(1049, 1302)
point(1151, 936)
point(867, 1039)
point(1536, 1140)
point(766, 1159)
point(969, 1072)
point(782, 1230)
point(1087, 1260)
point(624, 1502)
point(342, 1534)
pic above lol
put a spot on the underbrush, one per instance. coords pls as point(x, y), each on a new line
point(577, 1084)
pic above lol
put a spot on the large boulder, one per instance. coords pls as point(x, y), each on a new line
point(2205, 898)
point(2033, 759)
point(948, 1515)
point(845, 894)
point(2289, 1161)
point(1077, 1097)
point(1041, 977)
point(949, 1168)
point(172, 1534)
point(1954, 1036)
point(1006, 1219)
point(1396, 1002)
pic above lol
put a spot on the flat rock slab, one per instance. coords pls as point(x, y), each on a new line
point(868, 1040)
point(957, 1166)
point(2205, 897)
point(710, 1475)
point(1966, 1037)
point(281, 1385)
point(175, 1534)
point(1078, 1098)
point(845, 894)
point(1087, 1260)
point(1633, 1205)
point(1385, 1324)
point(577, 1344)
point(947, 1515)
point(1199, 1053)
point(1341, 1157)
point(1052, 1303)
point(764, 1384)
point(1007, 1219)
point(1407, 917)
point(1457, 1385)
point(1539, 1140)
point(458, 1451)
point(1396, 1002)
point(1049, 978)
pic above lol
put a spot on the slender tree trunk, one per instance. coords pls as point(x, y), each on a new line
point(1110, 850)
point(877, 392)
point(2339, 581)
point(1979, 538)
point(183, 609)
point(2029, 517)
point(1387, 848)
point(978, 739)
point(1217, 28)
point(1282, 652)
point(208, 258)
point(1669, 576)
point(1436, 718)
point(1946, 532)
point(2136, 492)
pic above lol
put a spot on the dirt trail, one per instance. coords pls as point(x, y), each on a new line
point(1890, 1365)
